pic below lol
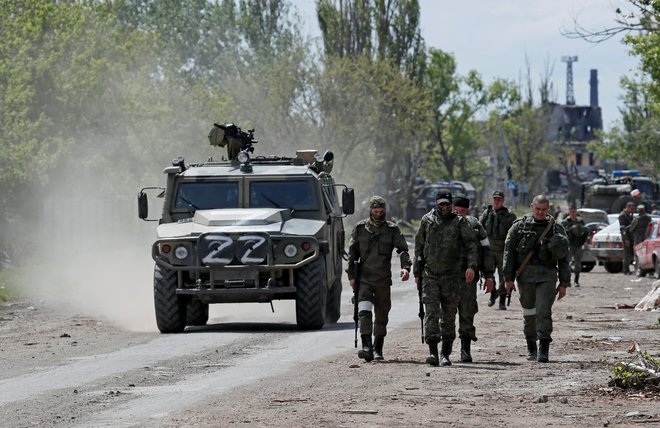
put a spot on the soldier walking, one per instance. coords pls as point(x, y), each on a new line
point(577, 236)
point(467, 305)
point(497, 220)
point(371, 245)
point(535, 255)
point(625, 220)
point(446, 253)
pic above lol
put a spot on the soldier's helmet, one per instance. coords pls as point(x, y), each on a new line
point(377, 202)
point(443, 196)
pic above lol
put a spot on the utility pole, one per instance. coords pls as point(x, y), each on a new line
point(569, 60)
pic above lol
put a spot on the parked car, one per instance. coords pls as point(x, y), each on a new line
point(607, 247)
point(589, 261)
point(592, 215)
point(647, 253)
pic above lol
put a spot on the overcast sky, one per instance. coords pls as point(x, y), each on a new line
point(495, 36)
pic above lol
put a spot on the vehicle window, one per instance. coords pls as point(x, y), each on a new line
point(206, 195)
point(297, 195)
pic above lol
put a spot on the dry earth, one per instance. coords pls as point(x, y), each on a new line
point(594, 327)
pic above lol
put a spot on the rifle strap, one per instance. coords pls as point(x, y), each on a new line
point(529, 255)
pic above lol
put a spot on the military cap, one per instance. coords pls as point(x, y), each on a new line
point(461, 200)
point(641, 207)
point(376, 202)
point(498, 194)
point(630, 204)
point(443, 195)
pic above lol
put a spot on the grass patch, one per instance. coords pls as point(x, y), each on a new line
point(7, 284)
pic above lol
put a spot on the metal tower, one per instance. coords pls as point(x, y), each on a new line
point(569, 60)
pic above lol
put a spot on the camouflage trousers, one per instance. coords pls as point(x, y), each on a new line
point(627, 255)
point(467, 308)
point(536, 299)
point(575, 258)
point(440, 295)
point(376, 299)
point(499, 264)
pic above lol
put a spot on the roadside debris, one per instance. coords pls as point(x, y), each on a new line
point(639, 371)
point(651, 302)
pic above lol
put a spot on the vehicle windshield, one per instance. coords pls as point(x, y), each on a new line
point(205, 195)
point(296, 195)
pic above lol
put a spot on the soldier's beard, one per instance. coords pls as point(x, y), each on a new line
point(377, 220)
point(444, 211)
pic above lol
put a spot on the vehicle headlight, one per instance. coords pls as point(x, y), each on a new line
point(243, 156)
point(290, 250)
point(181, 252)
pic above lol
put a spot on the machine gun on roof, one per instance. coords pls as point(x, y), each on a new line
point(233, 137)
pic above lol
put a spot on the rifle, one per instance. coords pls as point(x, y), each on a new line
point(529, 255)
point(419, 296)
point(356, 291)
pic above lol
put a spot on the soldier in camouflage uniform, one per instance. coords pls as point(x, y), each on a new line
point(577, 236)
point(536, 263)
point(625, 220)
point(467, 306)
point(446, 256)
point(497, 220)
point(372, 242)
point(639, 228)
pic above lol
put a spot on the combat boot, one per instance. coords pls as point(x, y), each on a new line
point(502, 302)
point(531, 349)
point(493, 296)
point(544, 349)
point(446, 350)
point(466, 357)
point(432, 359)
point(577, 279)
point(367, 351)
point(378, 348)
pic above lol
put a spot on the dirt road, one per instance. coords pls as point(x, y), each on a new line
point(61, 368)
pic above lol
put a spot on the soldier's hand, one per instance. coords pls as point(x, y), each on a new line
point(489, 285)
point(510, 286)
point(405, 274)
point(352, 283)
point(469, 275)
point(561, 291)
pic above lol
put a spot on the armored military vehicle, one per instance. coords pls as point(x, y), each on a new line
point(248, 229)
point(612, 192)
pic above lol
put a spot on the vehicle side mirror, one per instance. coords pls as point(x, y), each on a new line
point(143, 205)
point(348, 200)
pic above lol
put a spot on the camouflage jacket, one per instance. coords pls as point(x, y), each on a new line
point(625, 220)
point(576, 231)
point(523, 238)
point(486, 259)
point(373, 246)
point(639, 227)
point(497, 224)
point(445, 246)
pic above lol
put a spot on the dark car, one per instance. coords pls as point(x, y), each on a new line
point(647, 253)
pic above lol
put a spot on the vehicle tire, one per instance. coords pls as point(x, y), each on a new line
point(638, 270)
point(657, 268)
point(170, 307)
point(333, 304)
point(197, 313)
point(614, 267)
point(588, 267)
point(311, 294)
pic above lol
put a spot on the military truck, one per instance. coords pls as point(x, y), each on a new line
point(248, 229)
point(612, 192)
